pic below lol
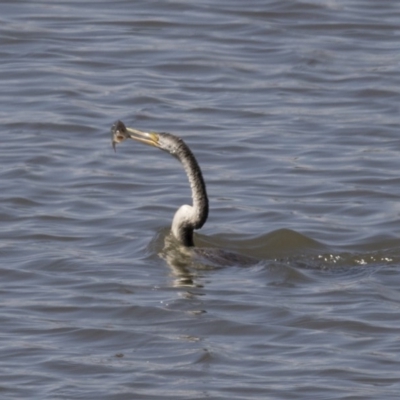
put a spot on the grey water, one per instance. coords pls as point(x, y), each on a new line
point(292, 110)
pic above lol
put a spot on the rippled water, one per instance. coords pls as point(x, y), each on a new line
point(292, 109)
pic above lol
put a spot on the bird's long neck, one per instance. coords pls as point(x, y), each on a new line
point(183, 224)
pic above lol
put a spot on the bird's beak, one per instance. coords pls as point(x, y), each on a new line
point(149, 138)
point(120, 133)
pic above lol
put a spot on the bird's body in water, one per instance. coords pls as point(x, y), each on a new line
point(187, 218)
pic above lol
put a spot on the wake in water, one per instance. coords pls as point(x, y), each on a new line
point(284, 246)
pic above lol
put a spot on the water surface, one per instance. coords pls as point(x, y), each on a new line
point(292, 110)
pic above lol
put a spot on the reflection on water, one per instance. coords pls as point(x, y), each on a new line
point(187, 262)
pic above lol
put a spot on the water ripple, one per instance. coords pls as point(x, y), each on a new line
point(291, 110)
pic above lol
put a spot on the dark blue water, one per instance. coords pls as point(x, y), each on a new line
point(292, 110)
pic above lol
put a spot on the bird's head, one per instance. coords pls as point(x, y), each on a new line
point(163, 141)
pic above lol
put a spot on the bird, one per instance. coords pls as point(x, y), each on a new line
point(187, 218)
